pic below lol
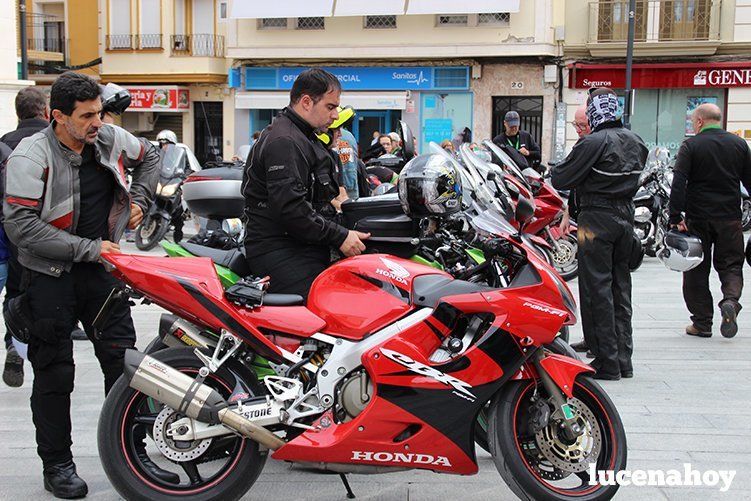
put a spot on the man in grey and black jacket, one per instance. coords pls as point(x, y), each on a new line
point(67, 203)
point(604, 170)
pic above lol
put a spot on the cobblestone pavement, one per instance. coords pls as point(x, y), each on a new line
point(688, 403)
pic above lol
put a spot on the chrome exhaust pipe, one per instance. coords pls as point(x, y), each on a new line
point(198, 401)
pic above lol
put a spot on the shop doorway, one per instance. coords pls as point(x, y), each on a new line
point(208, 131)
point(529, 109)
point(383, 121)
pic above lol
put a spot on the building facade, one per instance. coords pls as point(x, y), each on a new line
point(439, 66)
point(170, 54)
point(686, 52)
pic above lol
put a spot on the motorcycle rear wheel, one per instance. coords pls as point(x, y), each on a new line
point(150, 232)
point(537, 465)
point(125, 409)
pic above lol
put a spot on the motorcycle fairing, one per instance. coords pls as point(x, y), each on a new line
point(416, 412)
point(439, 402)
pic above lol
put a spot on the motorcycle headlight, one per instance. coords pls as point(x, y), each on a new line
point(642, 215)
point(168, 190)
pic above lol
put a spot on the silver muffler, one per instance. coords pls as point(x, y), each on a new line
point(198, 401)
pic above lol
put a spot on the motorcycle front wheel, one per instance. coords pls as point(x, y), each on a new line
point(151, 231)
point(132, 434)
point(543, 464)
point(564, 259)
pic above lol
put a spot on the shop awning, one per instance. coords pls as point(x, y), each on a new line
point(369, 8)
point(465, 7)
point(286, 8)
point(358, 100)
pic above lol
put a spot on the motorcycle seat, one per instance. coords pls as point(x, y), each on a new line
point(234, 259)
point(427, 290)
point(283, 300)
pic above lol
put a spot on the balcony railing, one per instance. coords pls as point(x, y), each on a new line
point(655, 20)
point(149, 41)
point(202, 45)
point(120, 42)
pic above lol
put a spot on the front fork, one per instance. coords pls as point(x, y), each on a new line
point(568, 424)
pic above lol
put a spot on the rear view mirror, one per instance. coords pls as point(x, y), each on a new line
point(525, 210)
point(408, 141)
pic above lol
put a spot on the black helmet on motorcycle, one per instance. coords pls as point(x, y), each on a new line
point(115, 99)
point(430, 185)
point(682, 252)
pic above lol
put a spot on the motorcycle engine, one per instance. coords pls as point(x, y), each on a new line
point(353, 396)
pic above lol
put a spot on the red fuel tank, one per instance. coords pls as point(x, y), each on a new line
point(360, 295)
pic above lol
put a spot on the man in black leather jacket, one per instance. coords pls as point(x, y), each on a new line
point(604, 169)
point(287, 183)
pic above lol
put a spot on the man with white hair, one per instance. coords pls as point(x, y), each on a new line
point(604, 170)
point(705, 200)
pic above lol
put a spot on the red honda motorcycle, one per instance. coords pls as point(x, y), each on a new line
point(359, 387)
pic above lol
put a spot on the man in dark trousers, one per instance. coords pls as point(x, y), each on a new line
point(288, 180)
point(519, 141)
point(705, 200)
point(604, 170)
point(33, 115)
point(67, 203)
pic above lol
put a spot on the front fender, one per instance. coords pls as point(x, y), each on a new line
point(563, 370)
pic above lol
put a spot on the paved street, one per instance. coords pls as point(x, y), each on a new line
point(686, 404)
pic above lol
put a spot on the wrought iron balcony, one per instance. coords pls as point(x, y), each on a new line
point(201, 45)
point(120, 42)
point(655, 20)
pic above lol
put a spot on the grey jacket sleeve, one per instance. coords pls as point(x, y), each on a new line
point(24, 195)
point(578, 164)
point(143, 158)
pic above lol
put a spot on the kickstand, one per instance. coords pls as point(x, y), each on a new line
point(350, 494)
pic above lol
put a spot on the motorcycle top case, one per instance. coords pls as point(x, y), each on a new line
point(391, 231)
point(215, 193)
point(384, 286)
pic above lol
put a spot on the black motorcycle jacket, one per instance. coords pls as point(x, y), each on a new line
point(603, 167)
point(287, 175)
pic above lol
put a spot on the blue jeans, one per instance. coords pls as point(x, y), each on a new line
point(3, 278)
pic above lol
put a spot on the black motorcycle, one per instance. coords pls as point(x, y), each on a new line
point(651, 202)
point(166, 210)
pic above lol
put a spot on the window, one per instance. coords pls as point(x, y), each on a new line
point(203, 17)
point(453, 20)
point(493, 19)
point(451, 78)
point(310, 23)
point(222, 11)
point(612, 20)
point(119, 25)
point(686, 20)
point(180, 18)
point(380, 22)
point(272, 23)
point(150, 29)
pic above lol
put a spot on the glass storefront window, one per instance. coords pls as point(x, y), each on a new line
point(443, 116)
point(661, 115)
